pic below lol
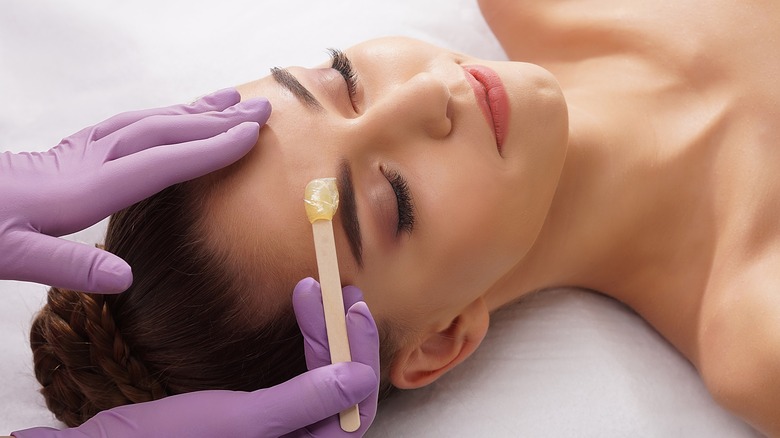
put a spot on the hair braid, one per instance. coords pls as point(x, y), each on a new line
point(82, 360)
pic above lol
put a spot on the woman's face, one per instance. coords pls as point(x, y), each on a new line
point(433, 212)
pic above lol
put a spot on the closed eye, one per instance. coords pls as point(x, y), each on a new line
point(403, 196)
point(341, 63)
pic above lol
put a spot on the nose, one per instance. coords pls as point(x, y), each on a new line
point(418, 107)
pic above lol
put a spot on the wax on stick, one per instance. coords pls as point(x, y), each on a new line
point(322, 199)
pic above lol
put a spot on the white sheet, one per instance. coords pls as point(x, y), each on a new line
point(565, 363)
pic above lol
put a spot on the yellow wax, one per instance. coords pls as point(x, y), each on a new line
point(321, 198)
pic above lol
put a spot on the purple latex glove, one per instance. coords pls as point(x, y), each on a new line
point(104, 168)
point(306, 406)
point(363, 345)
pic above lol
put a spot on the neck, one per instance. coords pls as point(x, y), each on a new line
point(612, 226)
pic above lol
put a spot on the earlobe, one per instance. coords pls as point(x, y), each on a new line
point(439, 351)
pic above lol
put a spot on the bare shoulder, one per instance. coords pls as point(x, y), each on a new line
point(521, 24)
point(538, 30)
point(554, 31)
point(739, 337)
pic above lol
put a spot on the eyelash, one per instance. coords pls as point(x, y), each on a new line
point(343, 65)
point(404, 199)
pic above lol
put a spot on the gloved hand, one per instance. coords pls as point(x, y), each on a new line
point(306, 406)
point(363, 345)
point(102, 169)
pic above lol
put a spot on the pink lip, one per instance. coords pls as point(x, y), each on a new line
point(491, 98)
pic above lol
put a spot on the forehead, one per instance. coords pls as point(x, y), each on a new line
point(255, 212)
point(261, 245)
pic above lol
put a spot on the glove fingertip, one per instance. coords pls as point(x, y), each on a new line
point(220, 99)
point(360, 315)
point(307, 305)
point(306, 286)
point(363, 336)
point(112, 275)
point(243, 136)
point(264, 110)
point(351, 294)
point(248, 128)
point(358, 377)
point(305, 293)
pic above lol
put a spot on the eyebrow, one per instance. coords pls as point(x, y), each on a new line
point(348, 211)
point(286, 79)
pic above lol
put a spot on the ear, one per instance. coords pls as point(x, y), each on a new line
point(440, 350)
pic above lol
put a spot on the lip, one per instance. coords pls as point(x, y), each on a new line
point(491, 98)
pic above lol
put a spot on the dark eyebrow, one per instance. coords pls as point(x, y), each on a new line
point(348, 211)
point(286, 79)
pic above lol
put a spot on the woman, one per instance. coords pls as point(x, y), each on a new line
point(644, 140)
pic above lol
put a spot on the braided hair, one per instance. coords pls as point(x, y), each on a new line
point(89, 366)
point(183, 325)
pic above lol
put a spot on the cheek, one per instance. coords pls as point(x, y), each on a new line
point(477, 215)
point(465, 240)
point(475, 250)
point(438, 272)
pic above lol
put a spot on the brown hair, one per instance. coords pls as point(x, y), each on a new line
point(182, 326)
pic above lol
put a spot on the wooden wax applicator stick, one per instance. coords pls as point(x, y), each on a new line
point(322, 200)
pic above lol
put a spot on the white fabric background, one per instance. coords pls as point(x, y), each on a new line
point(565, 363)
